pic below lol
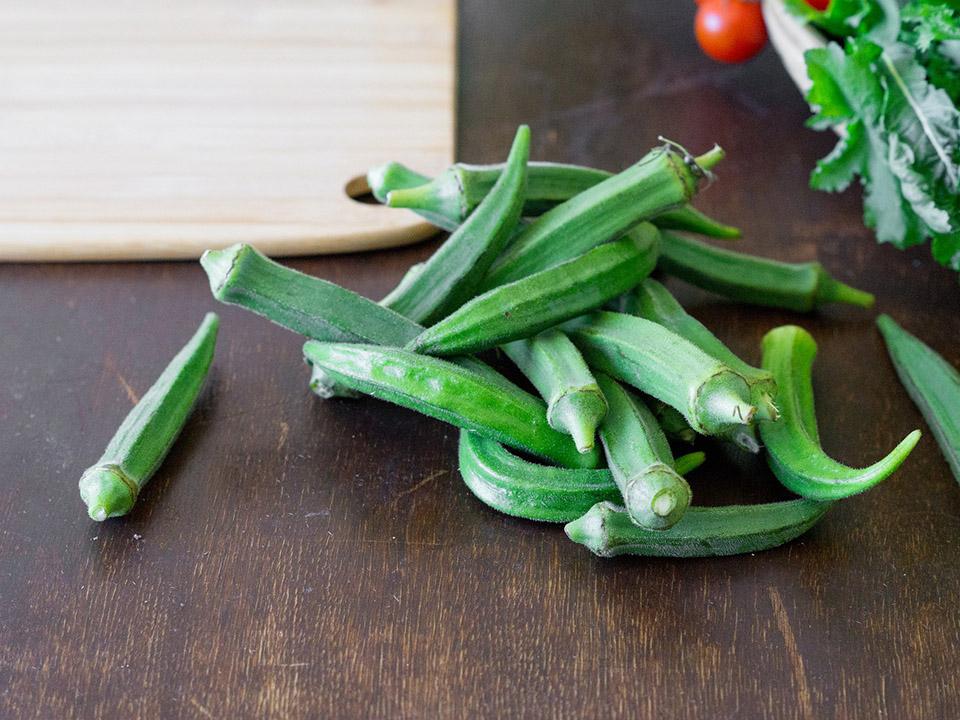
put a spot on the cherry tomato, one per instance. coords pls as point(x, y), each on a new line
point(819, 4)
point(730, 31)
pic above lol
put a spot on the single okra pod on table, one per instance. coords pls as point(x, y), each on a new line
point(661, 181)
point(932, 383)
point(751, 279)
point(448, 199)
point(527, 306)
point(110, 487)
point(607, 531)
point(652, 301)
point(575, 404)
point(455, 394)
point(713, 399)
point(530, 490)
point(639, 457)
point(450, 276)
point(793, 451)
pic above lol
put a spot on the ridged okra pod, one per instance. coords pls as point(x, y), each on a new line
point(575, 404)
point(607, 531)
point(450, 276)
point(320, 310)
point(525, 307)
point(712, 398)
point(518, 487)
point(652, 301)
point(662, 180)
point(932, 383)
point(655, 495)
point(455, 394)
point(793, 452)
point(110, 487)
point(751, 279)
point(448, 199)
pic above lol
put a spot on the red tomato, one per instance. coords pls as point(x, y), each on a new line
point(730, 31)
point(819, 4)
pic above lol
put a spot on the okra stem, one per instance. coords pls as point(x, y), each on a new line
point(110, 487)
point(575, 404)
point(796, 457)
point(638, 455)
point(756, 280)
point(392, 176)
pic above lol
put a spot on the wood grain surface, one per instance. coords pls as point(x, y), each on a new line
point(298, 559)
point(155, 129)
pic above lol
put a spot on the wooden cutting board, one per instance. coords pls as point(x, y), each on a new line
point(152, 129)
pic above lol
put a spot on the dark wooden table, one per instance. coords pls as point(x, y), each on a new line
point(297, 558)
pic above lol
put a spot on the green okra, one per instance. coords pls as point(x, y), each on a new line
point(752, 279)
point(455, 394)
point(607, 531)
point(662, 180)
point(320, 310)
point(931, 382)
point(404, 286)
point(393, 176)
point(525, 307)
point(450, 276)
point(575, 404)
point(652, 301)
point(793, 453)
point(110, 487)
point(674, 424)
point(533, 491)
point(639, 457)
point(713, 399)
point(448, 199)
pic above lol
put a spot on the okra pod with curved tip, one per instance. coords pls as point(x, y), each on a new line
point(712, 398)
point(448, 199)
point(533, 491)
point(752, 279)
point(796, 457)
point(662, 180)
point(606, 530)
point(652, 301)
point(540, 301)
point(575, 404)
point(449, 392)
point(110, 487)
point(932, 383)
point(639, 458)
point(450, 276)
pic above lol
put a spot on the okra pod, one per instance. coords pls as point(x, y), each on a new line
point(662, 180)
point(393, 176)
point(451, 275)
point(674, 424)
point(639, 458)
point(794, 455)
point(652, 301)
point(533, 491)
point(452, 393)
point(751, 279)
point(320, 310)
point(713, 399)
point(575, 404)
point(932, 383)
point(607, 531)
point(448, 199)
point(525, 307)
point(110, 487)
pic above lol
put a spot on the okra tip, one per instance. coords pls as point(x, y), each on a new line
point(831, 290)
point(590, 529)
point(218, 265)
point(107, 492)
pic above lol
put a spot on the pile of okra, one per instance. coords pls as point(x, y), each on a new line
point(550, 265)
